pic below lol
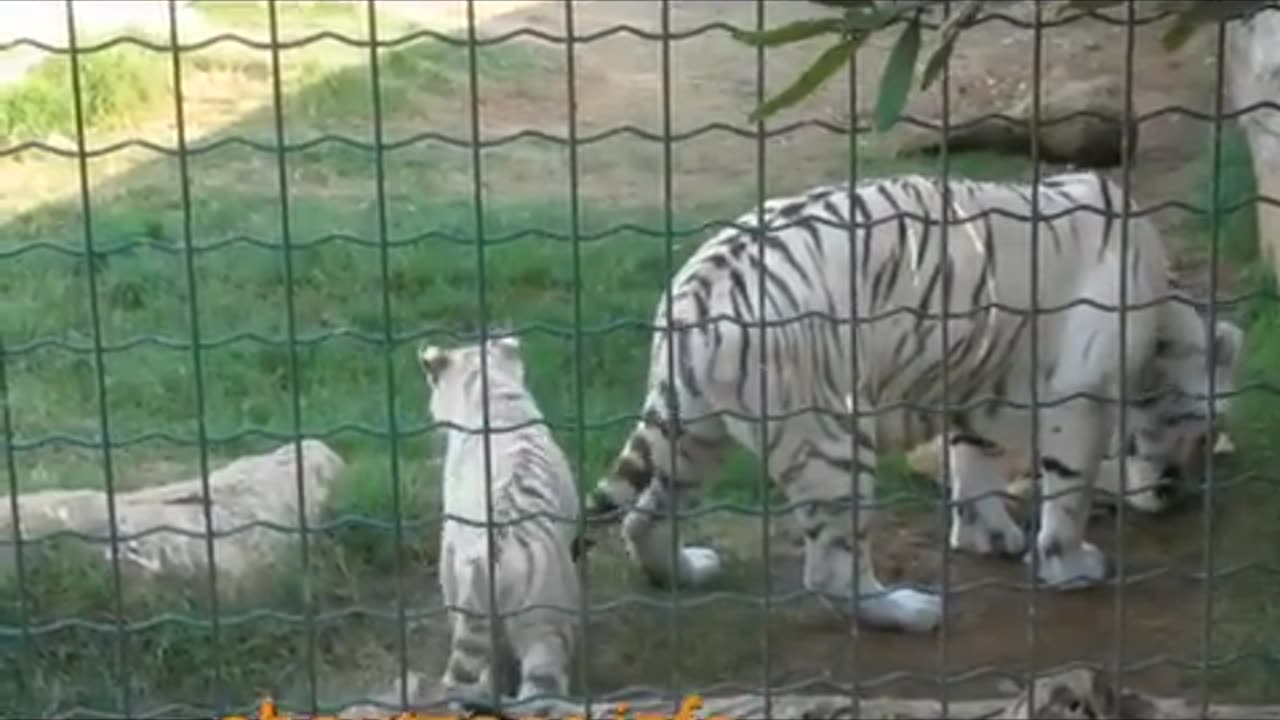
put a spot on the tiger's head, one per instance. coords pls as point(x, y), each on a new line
point(453, 376)
point(1169, 429)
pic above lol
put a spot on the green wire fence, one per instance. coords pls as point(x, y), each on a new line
point(205, 312)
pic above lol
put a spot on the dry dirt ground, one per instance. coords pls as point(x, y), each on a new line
point(619, 81)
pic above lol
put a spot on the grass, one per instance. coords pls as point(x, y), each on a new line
point(1247, 621)
point(345, 17)
point(118, 86)
point(123, 85)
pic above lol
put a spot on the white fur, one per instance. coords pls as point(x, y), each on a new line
point(534, 504)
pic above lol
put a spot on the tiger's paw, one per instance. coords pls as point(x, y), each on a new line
point(902, 609)
point(1002, 538)
point(1075, 569)
point(699, 566)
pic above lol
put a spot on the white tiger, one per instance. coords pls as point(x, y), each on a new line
point(711, 389)
point(534, 506)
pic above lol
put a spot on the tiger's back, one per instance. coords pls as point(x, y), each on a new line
point(897, 274)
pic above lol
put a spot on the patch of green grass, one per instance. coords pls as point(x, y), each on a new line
point(117, 86)
point(1246, 620)
point(1234, 215)
point(349, 18)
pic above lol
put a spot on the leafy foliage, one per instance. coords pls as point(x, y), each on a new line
point(863, 18)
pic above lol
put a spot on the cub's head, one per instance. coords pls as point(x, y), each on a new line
point(1170, 431)
point(453, 375)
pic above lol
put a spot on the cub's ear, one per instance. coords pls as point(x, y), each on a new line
point(434, 360)
point(1228, 341)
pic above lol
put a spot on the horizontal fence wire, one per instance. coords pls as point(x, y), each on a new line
point(21, 639)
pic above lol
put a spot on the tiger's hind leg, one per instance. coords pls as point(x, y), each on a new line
point(661, 466)
point(819, 485)
point(649, 533)
point(980, 522)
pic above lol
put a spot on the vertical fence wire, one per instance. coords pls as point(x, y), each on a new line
point(671, 398)
point(388, 343)
point(482, 314)
point(1037, 57)
point(944, 259)
point(197, 356)
point(99, 361)
point(1121, 429)
point(291, 330)
point(1215, 233)
point(762, 221)
point(25, 677)
point(853, 215)
point(579, 356)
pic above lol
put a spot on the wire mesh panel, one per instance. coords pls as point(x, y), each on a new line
point(799, 289)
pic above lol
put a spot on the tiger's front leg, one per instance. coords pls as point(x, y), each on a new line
point(819, 485)
point(980, 521)
point(1071, 443)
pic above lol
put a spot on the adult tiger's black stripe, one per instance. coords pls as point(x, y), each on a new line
point(774, 282)
point(922, 207)
point(894, 261)
point(1108, 208)
point(684, 362)
point(926, 301)
point(876, 285)
point(980, 284)
point(744, 344)
point(863, 220)
point(773, 242)
point(1054, 465)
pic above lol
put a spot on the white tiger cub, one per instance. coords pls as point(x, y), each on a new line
point(760, 318)
point(535, 507)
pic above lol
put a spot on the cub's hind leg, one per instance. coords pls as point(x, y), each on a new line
point(980, 521)
point(819, 484)
point(470, 671)
point(474, 664)
point(545, 648)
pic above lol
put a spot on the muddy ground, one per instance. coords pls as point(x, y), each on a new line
point(619, 81)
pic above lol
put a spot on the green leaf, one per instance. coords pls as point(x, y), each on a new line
point(1202, 13)
point(895, 84)
point(791, 32)
point(831, 60)
point(950, 33)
